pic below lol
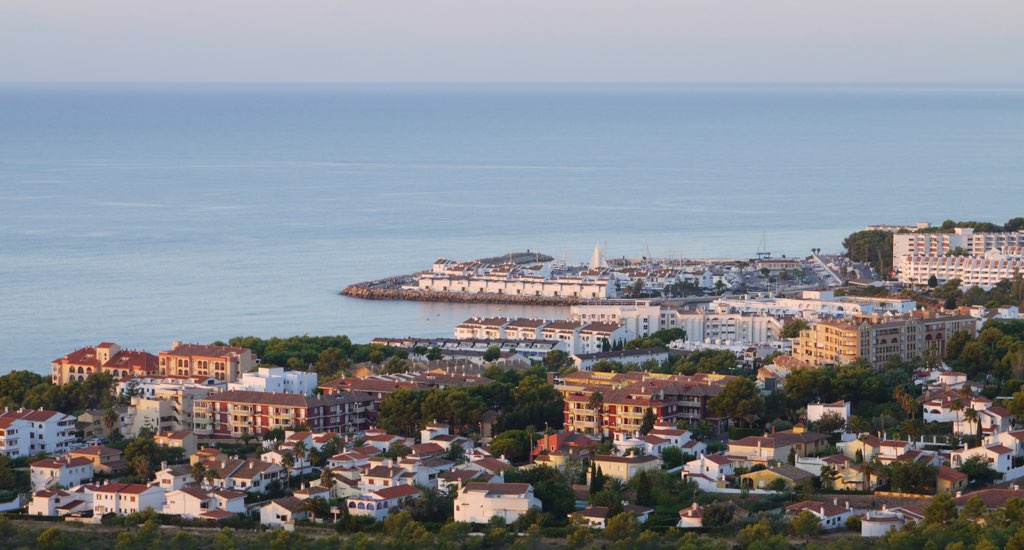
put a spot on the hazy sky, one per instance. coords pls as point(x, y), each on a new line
point(513, 40)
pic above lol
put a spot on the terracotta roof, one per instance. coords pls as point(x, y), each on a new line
point(291, 504)
point(277, 399)
point(204, 350)
point(498, 488)
point(96, 450)
point(949, 474)
point(491, 464)
point(642, 459)
point(993, 498)
point(129, 488)
point(217, 514)
point(397, 491)
point(61, 463)
point(816, 507)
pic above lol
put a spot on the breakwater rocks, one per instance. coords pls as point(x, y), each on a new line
point(375, 290)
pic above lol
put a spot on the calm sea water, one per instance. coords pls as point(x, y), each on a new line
point(144, 214)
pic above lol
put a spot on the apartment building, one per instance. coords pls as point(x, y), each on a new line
point(64, 471)
point(225, 363)
point(235, 413)
point(918, 256)
point(984, 271)
point(639, 317)
point(106, 357)
point(276, 379)
point(625, 398)
point(33, 431)
point(878, 339)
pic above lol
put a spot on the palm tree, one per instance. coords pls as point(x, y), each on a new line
point(198, 472)
point(141, 467)
point(288, 462)
point(211, 475)
point(596, 404)
point(327, 479)
point(110, 418)
point(957, 406)
point(316, 506)
point(868, 469)
point(300, 452)
point(971, 416)
point(314, 457)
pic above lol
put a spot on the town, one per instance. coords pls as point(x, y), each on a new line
point(871, 396)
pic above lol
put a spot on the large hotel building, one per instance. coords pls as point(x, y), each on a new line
point(879, 339)
point(977, 259)
point(224, 363)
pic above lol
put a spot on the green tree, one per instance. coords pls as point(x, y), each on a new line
point(740, 400)
point(974, 509)
point(492, 354)
point(672, 457)
point(647, 423)
point(513, 444)
point(941, 510)
point(933, 281)
point(52, 539)
point(805, 525)
point(792, 328)
point(979, 471)
point(621, 526)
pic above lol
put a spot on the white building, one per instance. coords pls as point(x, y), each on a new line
point(586, 361)
point(999, 457)
point(596, 517)
point(35, 431)
point(830, 515)
point(277, 380)
point(479, 502)
point(378, 503)
point(638, 317)
point(63, 471)
point(195, 502)
point(126, 498)
point(282, 512)
point(815, 411)
point(984, 259)
point(877, 523)
point(57, 502)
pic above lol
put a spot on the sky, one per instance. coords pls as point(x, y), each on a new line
point(797, 41)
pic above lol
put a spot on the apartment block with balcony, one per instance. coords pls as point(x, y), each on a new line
point(879, 338)
point(225, 363)
point(35, 431)
point(232, 414)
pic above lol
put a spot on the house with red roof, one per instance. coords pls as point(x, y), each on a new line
point(57, 502)
point(999, 457)
point(62, 471)
point(378, 503)
point(479, 502)
point(224, 363)
point(830, 515)
point(27, 432)
point(126, 498)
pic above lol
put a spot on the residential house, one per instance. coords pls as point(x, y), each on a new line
point(625, 468)
point(777, 446)
point(281, 512)
point(57, 502)
point(692, 517)
point(817, 411)
point(950, 481)
point(831, 516)
point(857, 477)
point(126, 498)
point(104, 459)
point(63, 471)
point(378, 503)
point(877, 523)
point(596, 517)
point(785, 475)
point(479, 502)
point(999, 457)
point(180, 439)
point(172, 478)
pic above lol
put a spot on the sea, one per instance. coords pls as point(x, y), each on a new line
point(143, 214)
